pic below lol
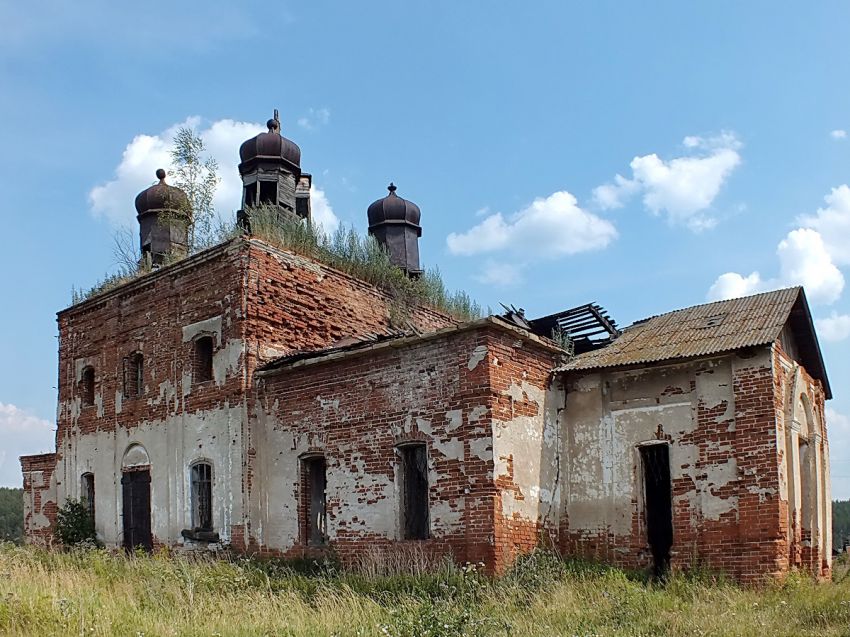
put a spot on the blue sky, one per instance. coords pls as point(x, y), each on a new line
point(507, 124)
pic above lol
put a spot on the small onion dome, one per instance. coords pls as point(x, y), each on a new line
point(271, 145)
point(161, 196)
point(393, 209)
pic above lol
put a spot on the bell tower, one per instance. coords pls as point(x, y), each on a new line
point(271, 174)
point(394, 222)
point(164, 215)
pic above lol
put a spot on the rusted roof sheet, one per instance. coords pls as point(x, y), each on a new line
point(712, 328)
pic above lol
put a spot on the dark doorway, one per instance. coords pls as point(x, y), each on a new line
point(315, 483)
point(136, 489)
point(659, 504)
point(414, 515)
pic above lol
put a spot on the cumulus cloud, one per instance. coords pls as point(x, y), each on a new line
point(682, 188)
point(836, 327)
point(500, 274)
point(833, 223)
point(114, 199)
point(803, 260)
point(22, 434)
point(315, 118)
point(550, 227)
point(838, 133)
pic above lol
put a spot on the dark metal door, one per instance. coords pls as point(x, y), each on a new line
point(136, 488)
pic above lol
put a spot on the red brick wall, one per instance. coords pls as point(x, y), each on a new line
point(39, 498)
point(430, 390)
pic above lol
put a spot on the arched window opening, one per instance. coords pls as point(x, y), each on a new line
point(87, 386)
point(203, 363)
point(134, 376)
point(87, 493)
point(202, 496)
point(415, 518)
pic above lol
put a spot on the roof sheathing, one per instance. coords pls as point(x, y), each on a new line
point(712, 328)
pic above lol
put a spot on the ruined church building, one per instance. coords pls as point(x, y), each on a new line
point(246, 396)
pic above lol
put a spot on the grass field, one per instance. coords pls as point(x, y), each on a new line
point(99, 593)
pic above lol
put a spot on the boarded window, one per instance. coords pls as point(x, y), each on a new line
point(202, 496)
point(414, 489)
point(203, 364)
point(87, 386)
point(314, 481)
point(87, 493)
point(134, 366)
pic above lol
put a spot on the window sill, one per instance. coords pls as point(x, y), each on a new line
point(200, 535)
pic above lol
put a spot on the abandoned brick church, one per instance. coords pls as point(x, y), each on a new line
point(250, 397)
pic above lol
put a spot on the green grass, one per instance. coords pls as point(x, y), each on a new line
point(100, 593)
point(345, 250)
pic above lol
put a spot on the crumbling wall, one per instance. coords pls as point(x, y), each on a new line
point(356, 409)
point(39, 498)
point(526, 446)
point(803, 458)
point(177, 418)
point(717, 417)
point(256, 303)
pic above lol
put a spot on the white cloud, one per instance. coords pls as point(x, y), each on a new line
point(550, 227)
point(838, 133)
point(320, 209)
point(834, 328)
point(683, 188)
point(803, 260)
point(733, 285)
point(114, 200)
point(315, 118)
point(833, 223)
point(500, 274)
point(22, 434)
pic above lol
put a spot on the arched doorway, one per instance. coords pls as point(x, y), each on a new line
point(136, 495)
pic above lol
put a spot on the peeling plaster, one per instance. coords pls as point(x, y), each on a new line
point(478, 355)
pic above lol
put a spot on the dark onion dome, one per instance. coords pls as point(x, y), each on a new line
point(393, 208)
point(271, 145)
point(161, 196)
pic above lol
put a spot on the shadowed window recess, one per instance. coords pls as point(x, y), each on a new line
point(87, 493)
point(134, 366)
point(203, 362)
point(87, 386)
point(415, 519)
point(314, 482)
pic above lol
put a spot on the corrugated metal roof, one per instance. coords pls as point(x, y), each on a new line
point(696, 331)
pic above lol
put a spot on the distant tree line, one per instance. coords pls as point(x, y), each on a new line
point(11, 514)
point(840, 523)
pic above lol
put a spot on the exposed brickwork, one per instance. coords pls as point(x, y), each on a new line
point(39, 498)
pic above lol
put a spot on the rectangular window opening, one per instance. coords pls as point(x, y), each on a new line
point(315, 486)
point(202, 496)
point(414, 489)
point(203, 364)
point(87, 493)
point(268, 192)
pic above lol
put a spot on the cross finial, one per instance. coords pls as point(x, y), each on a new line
point(392, 187)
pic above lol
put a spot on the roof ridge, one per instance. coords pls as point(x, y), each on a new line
point(696, 305)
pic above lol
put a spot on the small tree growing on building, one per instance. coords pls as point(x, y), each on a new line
point(74, 524)
point(198, 178)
